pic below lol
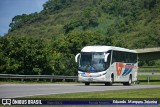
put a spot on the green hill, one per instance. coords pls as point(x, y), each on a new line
point(46, 42)
point(129, 23)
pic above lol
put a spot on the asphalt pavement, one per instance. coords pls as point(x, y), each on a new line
point(24, 90)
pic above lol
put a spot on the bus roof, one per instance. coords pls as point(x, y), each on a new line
point(104, 49)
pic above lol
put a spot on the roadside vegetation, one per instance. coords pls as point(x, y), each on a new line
point(46, 43)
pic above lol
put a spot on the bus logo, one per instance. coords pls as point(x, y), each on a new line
point(127, 68)
point(119, 67)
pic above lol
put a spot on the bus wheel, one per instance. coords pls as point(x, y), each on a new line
point(87, 83)
point(112, 80)
point(108, 83)
point(129, 81)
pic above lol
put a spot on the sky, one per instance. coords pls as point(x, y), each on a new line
point(11, 8)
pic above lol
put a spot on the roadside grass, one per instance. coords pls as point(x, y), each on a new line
point(151, 94)
point(139, 93)
point(122, 94)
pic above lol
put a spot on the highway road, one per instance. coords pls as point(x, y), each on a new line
point(23, 90)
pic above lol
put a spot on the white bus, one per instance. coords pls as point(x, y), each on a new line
point(107, 64)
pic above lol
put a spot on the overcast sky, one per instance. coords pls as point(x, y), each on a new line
point(11, 8)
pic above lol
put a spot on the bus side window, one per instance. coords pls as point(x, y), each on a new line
point(127, 57)
point(121, 56)
point(126, 60)
point(134, 58)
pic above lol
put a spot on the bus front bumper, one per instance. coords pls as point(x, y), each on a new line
point(93, 79)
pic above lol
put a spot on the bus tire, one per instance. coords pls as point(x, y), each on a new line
point(129, 81)
point(112, 79)
point(108, 84)
point(87, 83)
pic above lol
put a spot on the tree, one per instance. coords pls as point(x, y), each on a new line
point(56, 4)
point(26, 55)
point(20, 20)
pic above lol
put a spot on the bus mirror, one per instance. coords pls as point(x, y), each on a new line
point(76, 57)
point(105, 57)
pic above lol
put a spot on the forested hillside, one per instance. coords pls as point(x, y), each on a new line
point(46, 42)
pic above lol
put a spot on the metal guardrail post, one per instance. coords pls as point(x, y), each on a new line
point(22, 79)
point(64, 80)
point(51, 80)
point(148, 79)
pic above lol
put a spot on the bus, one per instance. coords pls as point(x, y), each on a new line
point(107, 64)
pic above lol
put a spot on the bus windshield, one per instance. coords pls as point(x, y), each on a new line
point(92, 62)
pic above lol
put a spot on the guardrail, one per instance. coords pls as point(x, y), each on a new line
point(51, 77)
point(64, 78)
point(149, 72)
